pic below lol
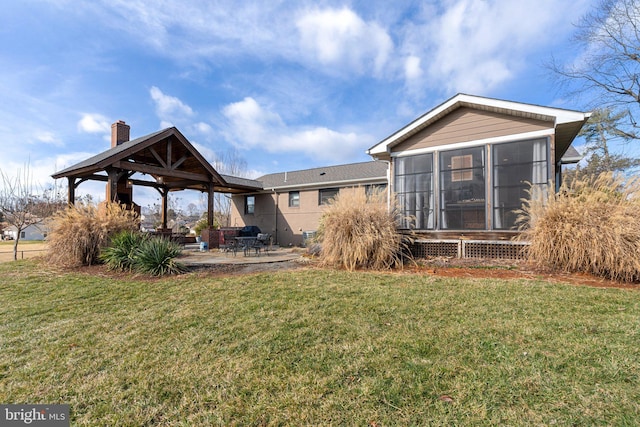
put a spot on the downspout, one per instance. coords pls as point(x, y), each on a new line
point(276, 213)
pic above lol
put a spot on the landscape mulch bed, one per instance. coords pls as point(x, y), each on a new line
point(510, 269)
point(441, 267)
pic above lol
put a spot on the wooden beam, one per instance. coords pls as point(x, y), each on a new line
point(158, 158)
point(154, 170)
point(168, 164)
point(179, 162)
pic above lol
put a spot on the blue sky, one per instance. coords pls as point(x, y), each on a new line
point(287, 85)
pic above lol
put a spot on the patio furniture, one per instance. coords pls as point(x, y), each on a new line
point(263, 242)
point(248, 244)
point(230, 246)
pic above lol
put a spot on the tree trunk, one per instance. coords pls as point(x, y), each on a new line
point(15, 245)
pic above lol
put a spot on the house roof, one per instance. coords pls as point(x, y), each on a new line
point(340, 175)
point(567, 123)
point(571, 156)
point(166, 156)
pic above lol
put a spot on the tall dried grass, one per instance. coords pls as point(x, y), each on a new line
point(591, 226)
point(79, 232)
point(359, 231)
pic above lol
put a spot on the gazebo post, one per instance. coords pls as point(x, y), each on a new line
point(210, 206)
point(165, 207)
point(112, 185)
point(210, 234)
point(71, 191)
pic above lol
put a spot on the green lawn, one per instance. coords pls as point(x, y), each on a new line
point(318, 347)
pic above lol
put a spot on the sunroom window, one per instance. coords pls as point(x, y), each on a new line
point(515, 165)
point(414, 190)
point(462, 189)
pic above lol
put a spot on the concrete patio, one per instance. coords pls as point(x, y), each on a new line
point(192, 255)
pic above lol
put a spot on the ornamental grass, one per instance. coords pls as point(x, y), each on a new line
point(79, 232)
point(358, 230)
point(590, 226)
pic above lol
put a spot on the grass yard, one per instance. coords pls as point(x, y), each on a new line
point(318, 347)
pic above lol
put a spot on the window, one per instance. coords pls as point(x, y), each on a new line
point(414, 191)
point(327, 194)
point(375, 189)
point(462, 189)
point(294, 199)
point(249, 204)
point(515, 165)
point(23, 234)
point(461, 168)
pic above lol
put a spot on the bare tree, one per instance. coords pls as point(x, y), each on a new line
point(228, 163)
point(22, 204)
point(608, 67)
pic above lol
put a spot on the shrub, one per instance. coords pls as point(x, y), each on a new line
point(79, 232)
point(359, 231)
point(200, 225)
point(129, 250)
point(120, 254)
point(591, 226)
point(157, 256)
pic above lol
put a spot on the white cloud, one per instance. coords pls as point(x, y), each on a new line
point(412, 68)
point(475, 45)
point(340, 38)
point(203, 128)
point(250, 127)
point(168, 107)
point(47, 137)
point(94, 123)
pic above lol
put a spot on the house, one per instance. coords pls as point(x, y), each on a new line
point(32, 232)
point(461, 170)
point(290, 204)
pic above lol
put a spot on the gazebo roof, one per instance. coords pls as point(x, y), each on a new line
point(167, 157)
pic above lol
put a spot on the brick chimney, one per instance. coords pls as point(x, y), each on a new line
point(119, 133)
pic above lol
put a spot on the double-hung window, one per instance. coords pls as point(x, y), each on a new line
point(327, 194)
point(294, 199)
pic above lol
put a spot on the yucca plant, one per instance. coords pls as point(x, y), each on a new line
point(358, 230)
point(591, 226)
point(79, 232)
point(120, 254)
point(157, 256)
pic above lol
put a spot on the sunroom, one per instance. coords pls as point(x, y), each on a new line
point(461, 170)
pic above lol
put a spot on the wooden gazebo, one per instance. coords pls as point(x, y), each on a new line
point(166, 157)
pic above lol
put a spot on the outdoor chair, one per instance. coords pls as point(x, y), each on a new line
point(263, 242)
point(230, 247)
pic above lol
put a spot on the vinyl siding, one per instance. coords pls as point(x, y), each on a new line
point(466, 124)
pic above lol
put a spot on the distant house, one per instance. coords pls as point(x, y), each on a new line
point(32, 232)
point(461, 170)
point(290, 204)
